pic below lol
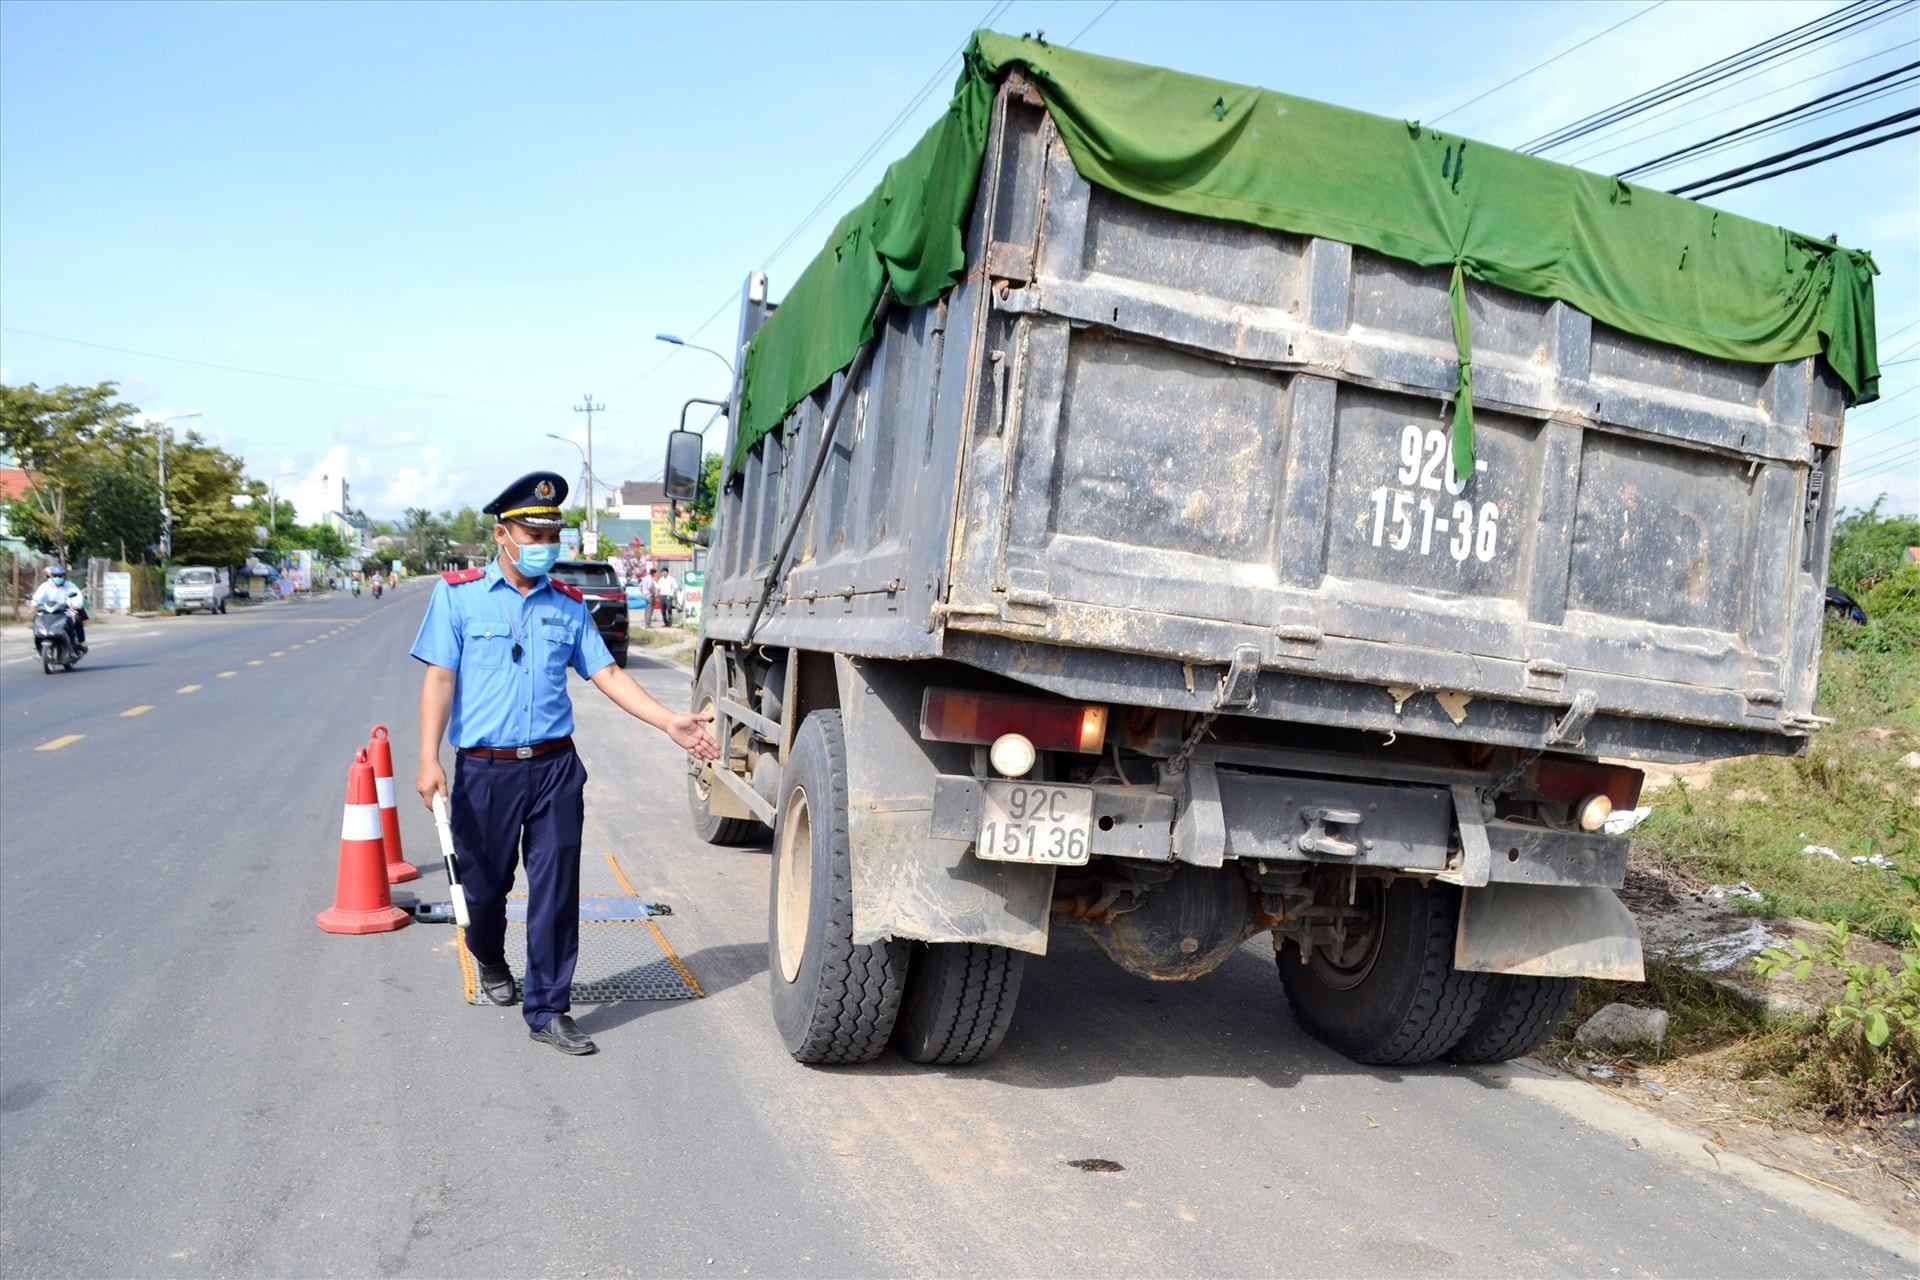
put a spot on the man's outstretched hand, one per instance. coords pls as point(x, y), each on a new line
point(689, 732)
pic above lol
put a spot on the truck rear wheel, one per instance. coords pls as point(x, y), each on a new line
point(959, 1001)
point(1519, 1014)
point(730, 831)
point(833, 1000)
point(1388, 994)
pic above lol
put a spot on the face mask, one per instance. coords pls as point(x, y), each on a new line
point(534, 558)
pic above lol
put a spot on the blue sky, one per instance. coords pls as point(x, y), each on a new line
point(477, 214)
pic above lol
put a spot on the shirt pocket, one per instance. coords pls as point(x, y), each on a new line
point(557, 638)
point(486, 648)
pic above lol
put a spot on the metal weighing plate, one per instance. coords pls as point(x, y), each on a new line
point(623, 954)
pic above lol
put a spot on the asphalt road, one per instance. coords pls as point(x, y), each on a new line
point(196, 1081)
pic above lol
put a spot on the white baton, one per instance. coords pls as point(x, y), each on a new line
point(445, 827)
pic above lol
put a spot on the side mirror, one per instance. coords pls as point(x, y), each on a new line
point(682, 481)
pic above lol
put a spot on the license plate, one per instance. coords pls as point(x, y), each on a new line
point(1043, 822)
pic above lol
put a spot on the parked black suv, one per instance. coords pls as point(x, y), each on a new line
point(595, 580)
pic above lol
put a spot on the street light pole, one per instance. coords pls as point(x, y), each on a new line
point(588, 500)
point(682, 342)
point(166, 512)
point(588, 407)
point(273, 503)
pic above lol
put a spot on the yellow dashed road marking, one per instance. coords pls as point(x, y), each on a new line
point(278, 653)
point(136, 711)
point(188, 688)
point(254, 662)
point(226, 675)
point(65, 741)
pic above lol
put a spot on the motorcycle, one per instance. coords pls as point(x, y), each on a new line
point(356, 588)
point(376, 588)
point(53, 638)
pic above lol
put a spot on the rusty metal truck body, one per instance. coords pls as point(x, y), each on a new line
point(1193, 473)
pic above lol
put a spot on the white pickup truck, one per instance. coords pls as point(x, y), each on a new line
point(198, 586)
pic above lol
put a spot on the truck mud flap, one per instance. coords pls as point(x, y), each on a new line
point(1547, 931)
point(907, 882)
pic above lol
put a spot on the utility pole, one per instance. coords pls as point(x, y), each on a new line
point(588, 407)
point(163, 432)
point(166, 512)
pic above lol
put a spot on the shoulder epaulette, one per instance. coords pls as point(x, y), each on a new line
point(567, 589)
point(455, 577)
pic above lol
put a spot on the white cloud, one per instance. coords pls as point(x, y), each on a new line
point(434, 483)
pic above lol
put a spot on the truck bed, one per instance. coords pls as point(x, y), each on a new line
point(1133, 450)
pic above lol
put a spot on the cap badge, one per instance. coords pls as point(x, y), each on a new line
point(544, 490)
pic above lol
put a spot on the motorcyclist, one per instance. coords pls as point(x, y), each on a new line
point(57, 591)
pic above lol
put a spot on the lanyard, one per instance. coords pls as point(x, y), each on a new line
point(526, 615)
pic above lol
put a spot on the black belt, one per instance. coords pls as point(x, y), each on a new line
point(538, 749)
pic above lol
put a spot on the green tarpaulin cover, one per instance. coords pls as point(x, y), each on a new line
point(1660, 266)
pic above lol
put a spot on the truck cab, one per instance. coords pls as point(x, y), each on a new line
point(200, 587)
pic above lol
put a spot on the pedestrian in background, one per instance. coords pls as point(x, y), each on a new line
point(497, 643)
point(663, 594)
point(646, 600)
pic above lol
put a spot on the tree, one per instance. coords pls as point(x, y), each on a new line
point(468, 526)
point(57, 437)
point(201, 483)
point(700, 510)
point(324, 541)
point(115, 512)
point(277, 515)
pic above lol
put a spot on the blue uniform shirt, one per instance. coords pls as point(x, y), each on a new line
point(471, 629)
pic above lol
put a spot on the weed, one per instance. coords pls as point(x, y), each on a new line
point(1851, 794)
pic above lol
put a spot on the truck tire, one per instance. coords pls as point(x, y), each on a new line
point(1519, 1015)
point(958, 1002)
point(833, 1001)
point(728, 831)
point(1393, 997)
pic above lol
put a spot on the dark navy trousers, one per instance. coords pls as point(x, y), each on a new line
point(502, 811)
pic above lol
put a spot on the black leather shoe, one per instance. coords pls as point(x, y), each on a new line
point(565, 1035)
point(497, 985)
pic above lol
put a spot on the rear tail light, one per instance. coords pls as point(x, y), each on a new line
point(950, 715)
point(1575, 781)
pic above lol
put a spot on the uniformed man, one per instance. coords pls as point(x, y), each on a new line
point(497, 643)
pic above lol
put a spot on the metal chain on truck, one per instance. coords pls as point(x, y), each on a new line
point(1177, 762)
point(1511, 776)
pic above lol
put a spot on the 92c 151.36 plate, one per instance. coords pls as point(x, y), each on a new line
point(1045, 822)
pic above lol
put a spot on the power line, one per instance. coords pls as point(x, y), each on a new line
point(1103, 13)
point(886, 134)
point(1689, 189)
point(1536, 66)
point(1585, 158)
point(1787, 47)
point(853, 171)
point(268, 373)
point(1875, 455)
point(1886, 467)
point(1831, 26)
point(1903, 75)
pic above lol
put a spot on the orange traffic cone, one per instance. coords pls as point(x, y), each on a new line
point(399, 869)
point(361, 903)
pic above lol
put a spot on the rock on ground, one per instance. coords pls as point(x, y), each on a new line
point(1623, 1024)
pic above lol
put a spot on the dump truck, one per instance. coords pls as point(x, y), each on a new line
point(1184, 512)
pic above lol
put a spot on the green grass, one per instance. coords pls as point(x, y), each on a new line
point(1851, 793)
